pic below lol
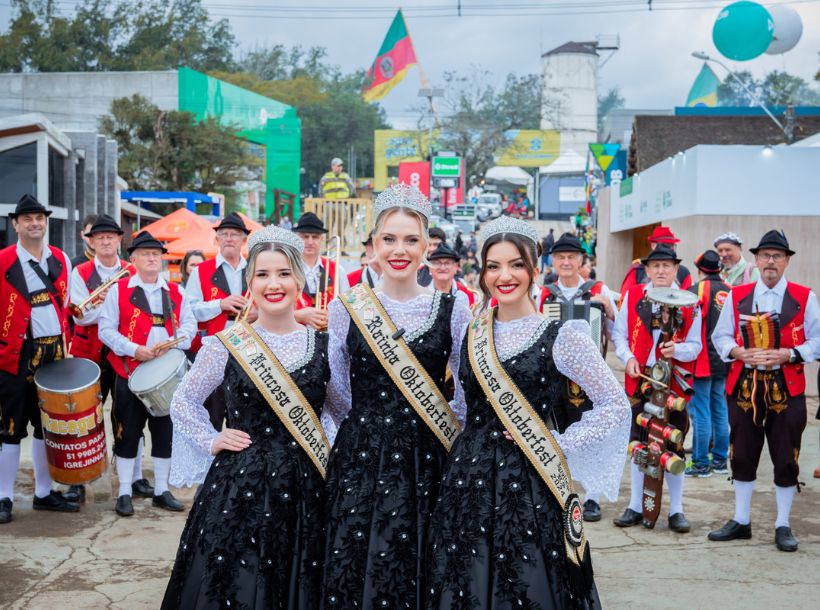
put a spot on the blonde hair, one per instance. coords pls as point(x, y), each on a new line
point(422, 220)
point(290, 253)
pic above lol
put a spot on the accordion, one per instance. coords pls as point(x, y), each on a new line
point(760, 330)
point(580, 310)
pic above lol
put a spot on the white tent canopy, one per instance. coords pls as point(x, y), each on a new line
point(569, 162)
point(511, 175)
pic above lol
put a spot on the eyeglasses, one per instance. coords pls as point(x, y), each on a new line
point(442, 263)
point(777, 257)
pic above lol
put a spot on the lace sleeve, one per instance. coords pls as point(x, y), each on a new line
point(595, 447)
point(458, 327)
point(338, 399)
point(193, 432)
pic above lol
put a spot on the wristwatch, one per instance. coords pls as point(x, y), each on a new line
point(794, 356)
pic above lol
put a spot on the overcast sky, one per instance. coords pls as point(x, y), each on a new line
point(653, 68)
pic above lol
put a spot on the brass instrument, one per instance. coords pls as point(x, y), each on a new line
point(78, 311)
point(243, 315)
point(322, 295)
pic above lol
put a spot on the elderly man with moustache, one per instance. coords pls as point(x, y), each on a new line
point(736, 270)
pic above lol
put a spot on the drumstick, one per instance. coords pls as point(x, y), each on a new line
point(168, 344)
point(654, 382)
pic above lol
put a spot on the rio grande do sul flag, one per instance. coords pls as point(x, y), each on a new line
point(394, 59)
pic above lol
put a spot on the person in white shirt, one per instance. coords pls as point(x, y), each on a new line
point(766, 383)
point(139, 313)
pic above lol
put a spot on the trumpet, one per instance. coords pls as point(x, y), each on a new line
point(91, 302)
point(322, 296)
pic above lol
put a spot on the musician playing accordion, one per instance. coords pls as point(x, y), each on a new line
point(767, 330)
point(139, 313)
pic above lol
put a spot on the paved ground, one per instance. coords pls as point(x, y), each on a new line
point(96, 560)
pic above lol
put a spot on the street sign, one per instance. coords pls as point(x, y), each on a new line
point(465, 211)
point(446, 167)
point(445, 183)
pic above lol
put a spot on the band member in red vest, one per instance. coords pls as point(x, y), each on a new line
point(371, 272)
point(637, 274)
point(216, 292)
point(708, 404)
point(766, 387)
point(443, 263)
point(33, 297)
point(637, 344)
point(105, 238)
point(320, 272)
point(136, 316)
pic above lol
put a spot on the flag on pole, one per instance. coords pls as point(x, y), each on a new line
point(394, 59)
point(588, 186)
point(704, 91)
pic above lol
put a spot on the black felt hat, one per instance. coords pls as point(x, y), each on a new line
point(309, 223)
point(567, 243)
point(774, 240)
point(443, 251)
point(232, 221)
point(104, 224)
point(146, 241)
point(708, 262)
point(28, 204)
point(661, 253)
point(369, 240)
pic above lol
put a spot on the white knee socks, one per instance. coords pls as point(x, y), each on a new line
point(636, 488)
point(42, 478)
point(784, 496)
point(125, 470)
point(162, 468)
point(9, 463)
point(743, 501)
point(674, 483)
point(138, 461)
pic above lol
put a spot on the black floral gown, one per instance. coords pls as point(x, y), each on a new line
point(496, 535)
point(386, 463)
point(253, 539)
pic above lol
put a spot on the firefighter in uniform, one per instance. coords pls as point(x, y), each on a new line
point(138, 313)
point(336, 184)
point(637, 344)
point(33, 297)
point(637, 274)
point(320, 272)
point(766, 387)
point(216, 293)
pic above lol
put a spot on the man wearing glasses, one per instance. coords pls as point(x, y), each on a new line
point(443, 268)
point(766, 385)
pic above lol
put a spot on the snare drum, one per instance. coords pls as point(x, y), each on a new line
point(155, 381)
point(71, 412)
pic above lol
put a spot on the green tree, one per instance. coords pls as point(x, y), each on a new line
point(161, 150)
point(606, 103)
point(777, 88)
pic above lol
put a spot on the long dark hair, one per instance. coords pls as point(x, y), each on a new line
point(529, 252)
point(183, 267)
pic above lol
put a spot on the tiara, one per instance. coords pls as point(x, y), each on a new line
point(403, 196)
point(505, 224)
point(274, 234)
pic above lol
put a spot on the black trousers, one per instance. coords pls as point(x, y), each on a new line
point(129, 417)
point(18, 394)
point(785, 420)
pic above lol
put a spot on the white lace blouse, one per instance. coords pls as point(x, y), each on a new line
point(193, 432)
point(416, 316)
point(595, 447)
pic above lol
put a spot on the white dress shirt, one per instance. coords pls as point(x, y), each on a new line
point(45, 322)
point(312, 277)
point(685, 351)
point(79, 291)
point(768, 299)
point(207, 310)
point(109, 319)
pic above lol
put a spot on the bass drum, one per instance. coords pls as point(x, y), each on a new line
point(71, 412)
point(155, 381)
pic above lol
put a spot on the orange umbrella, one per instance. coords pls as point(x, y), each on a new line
point(197, 238)
point(252, 225)
point(177, 224)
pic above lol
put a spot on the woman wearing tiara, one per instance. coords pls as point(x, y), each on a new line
point(501, 536)
point(254, 535)
point(388, 355)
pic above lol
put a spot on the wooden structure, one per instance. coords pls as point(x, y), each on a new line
point(350, 219)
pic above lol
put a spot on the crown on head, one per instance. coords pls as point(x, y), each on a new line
point(271, 234)
point(403, 196)
point(505, 224)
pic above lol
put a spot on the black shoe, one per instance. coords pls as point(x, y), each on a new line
point(628, 519)
point(5, 510)
point(124, 506)
point(168, 502)
point(784, 540)
point(678, 523)
point(592, 511)
point(55, 501)
point(142, 488)
point(731, 531)
point(75, 493)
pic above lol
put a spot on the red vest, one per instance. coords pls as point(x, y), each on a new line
point(711, 297)
point(210, 292)
point(306, 300)
point(470, 294)
point(792, 331)
point(641, 343)
point(355, 277)
point(16, 308)
point(85, 342)
point(135, 324)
